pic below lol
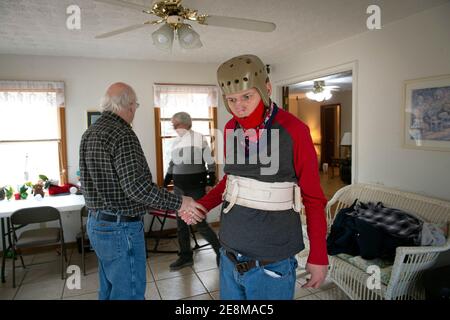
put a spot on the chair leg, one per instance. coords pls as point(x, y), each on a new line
point(14, 266)
point(20, 254)
point(62, 260)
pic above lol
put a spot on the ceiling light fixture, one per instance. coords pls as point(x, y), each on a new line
point(187, 37)
point(319, 93)
point(163, 37)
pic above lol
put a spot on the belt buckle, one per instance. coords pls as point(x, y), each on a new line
point(242, 267)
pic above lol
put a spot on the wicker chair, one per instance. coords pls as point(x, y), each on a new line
point(403, 279)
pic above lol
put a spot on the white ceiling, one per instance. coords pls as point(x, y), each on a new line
point(339, 81)
point(38, 27)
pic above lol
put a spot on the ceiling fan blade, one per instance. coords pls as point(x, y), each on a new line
point(124, 4)
point(239, 23)
point(122, 30)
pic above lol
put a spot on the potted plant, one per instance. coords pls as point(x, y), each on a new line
point(2, 193)
point(9, 191)
point(23, 191)
point(38, 188)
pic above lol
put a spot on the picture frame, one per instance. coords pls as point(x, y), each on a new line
point(92, 116)
point(427, 113)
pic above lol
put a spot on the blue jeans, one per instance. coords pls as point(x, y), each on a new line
point(120, 249)
point(275, 281)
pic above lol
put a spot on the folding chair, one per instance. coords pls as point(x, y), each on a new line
point(36, 237)
point(162, 216)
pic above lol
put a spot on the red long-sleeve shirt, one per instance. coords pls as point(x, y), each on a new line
point(295, 139)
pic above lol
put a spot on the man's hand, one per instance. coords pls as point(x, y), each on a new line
point(208, 188)
point(318, 275)
point(191, 212)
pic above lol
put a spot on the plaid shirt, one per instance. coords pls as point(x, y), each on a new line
point(114, 172)
point(394, 221)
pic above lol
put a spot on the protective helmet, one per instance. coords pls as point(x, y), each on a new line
point(243, 73)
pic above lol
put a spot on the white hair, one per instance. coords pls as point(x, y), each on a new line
point(183, 118)
point(115, 103)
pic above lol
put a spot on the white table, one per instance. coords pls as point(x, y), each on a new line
point(63, 203)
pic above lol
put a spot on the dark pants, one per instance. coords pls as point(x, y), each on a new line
point(183, 232)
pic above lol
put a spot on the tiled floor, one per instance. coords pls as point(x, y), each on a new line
point(201, 281)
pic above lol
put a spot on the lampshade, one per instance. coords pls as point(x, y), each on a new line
point(346, 139)
point(188, 38)
point(163, 37)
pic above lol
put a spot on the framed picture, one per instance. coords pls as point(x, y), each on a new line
point(427, 113)
point(92, 116)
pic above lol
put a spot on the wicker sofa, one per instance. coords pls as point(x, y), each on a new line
point(402, 279)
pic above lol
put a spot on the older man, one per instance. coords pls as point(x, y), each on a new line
point(117, 185)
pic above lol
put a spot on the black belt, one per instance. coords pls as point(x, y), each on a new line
point(115, 218)
point(244, 266)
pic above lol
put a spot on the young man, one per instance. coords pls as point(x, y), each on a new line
point(260, 229)
point(117, 186)
point(192, 170)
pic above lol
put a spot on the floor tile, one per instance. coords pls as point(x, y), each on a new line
point(88, 284)
point(215, 295)
point(332, 294)
point(43, 272)
point(309, 297)
point(210, 279)
point(204, 296)
point(46, 290)
point(181, 287)
point(299, 291)
point(88, 296)
point(151, 292)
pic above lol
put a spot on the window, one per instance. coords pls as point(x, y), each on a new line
point(197, 100)
point(32, 132)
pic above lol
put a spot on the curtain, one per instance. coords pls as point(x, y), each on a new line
point(176, 98)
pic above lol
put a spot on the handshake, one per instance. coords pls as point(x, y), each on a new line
point(191, 212)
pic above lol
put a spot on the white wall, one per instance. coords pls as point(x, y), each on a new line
point(86, 81)
point(415, 47)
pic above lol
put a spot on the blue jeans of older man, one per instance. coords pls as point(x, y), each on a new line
point(275, 281)
point(120, 249)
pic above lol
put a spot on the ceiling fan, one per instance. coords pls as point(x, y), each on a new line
point(320, 92)
point(174, 15)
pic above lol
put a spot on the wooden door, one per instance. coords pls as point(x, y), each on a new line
point(330, 127)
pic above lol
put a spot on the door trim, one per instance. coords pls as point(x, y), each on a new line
point(353, 66)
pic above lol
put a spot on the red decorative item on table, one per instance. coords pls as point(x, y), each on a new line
point(65, 188)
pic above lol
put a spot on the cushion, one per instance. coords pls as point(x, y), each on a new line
point(363, 264)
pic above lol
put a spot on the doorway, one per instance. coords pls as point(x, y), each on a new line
point(329, 115)
point(330, 129)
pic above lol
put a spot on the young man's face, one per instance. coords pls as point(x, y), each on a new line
point(243, 103)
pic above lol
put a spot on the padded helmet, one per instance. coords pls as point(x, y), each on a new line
point(242, 73)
